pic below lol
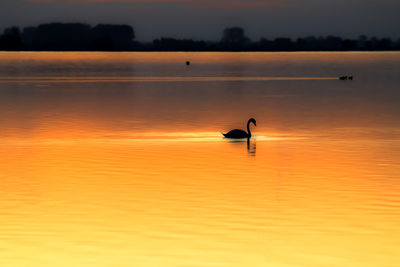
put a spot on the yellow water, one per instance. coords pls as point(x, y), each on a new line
point(105, 173)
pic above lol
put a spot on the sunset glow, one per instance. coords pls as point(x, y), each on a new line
point(188, 133)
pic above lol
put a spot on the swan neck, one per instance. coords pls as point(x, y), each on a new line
point(248, 129)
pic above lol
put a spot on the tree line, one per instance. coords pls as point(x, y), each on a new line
point(106, 37)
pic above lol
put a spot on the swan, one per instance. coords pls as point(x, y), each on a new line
point(237, 134)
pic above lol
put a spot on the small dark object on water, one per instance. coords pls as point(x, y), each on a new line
point(187, 63)
point(344, 78)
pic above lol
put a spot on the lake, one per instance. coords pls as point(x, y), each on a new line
point(117, 159)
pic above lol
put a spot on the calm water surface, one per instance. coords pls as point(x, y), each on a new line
point(116, 159)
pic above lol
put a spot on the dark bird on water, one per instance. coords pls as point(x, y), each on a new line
point(187, 63)
point(238, 134)
point(344, 78)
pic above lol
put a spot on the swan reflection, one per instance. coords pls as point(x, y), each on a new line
point(250, 144)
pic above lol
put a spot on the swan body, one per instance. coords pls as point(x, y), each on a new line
point(236, 133)
point(239, 134)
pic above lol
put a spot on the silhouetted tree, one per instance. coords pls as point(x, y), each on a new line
point(28, 37)
point(312, 43)
point(384, 44)
point(362, 42)
point(59, 36)
point(264, 44)
point(333, 43)
point(112, 37)
point(234, 38)
point(349, 45)
point(283, 44)
point(11, 39)
point(78, 36)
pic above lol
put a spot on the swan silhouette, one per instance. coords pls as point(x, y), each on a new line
point(238, 134)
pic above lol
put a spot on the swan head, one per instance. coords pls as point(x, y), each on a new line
point(253, 121)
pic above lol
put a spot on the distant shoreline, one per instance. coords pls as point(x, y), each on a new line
point(121, 38)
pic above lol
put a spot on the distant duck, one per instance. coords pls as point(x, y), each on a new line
point(187, 63)
point(238, 134)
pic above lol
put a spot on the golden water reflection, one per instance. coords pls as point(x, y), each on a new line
point(152, 202)
point(137, 173)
